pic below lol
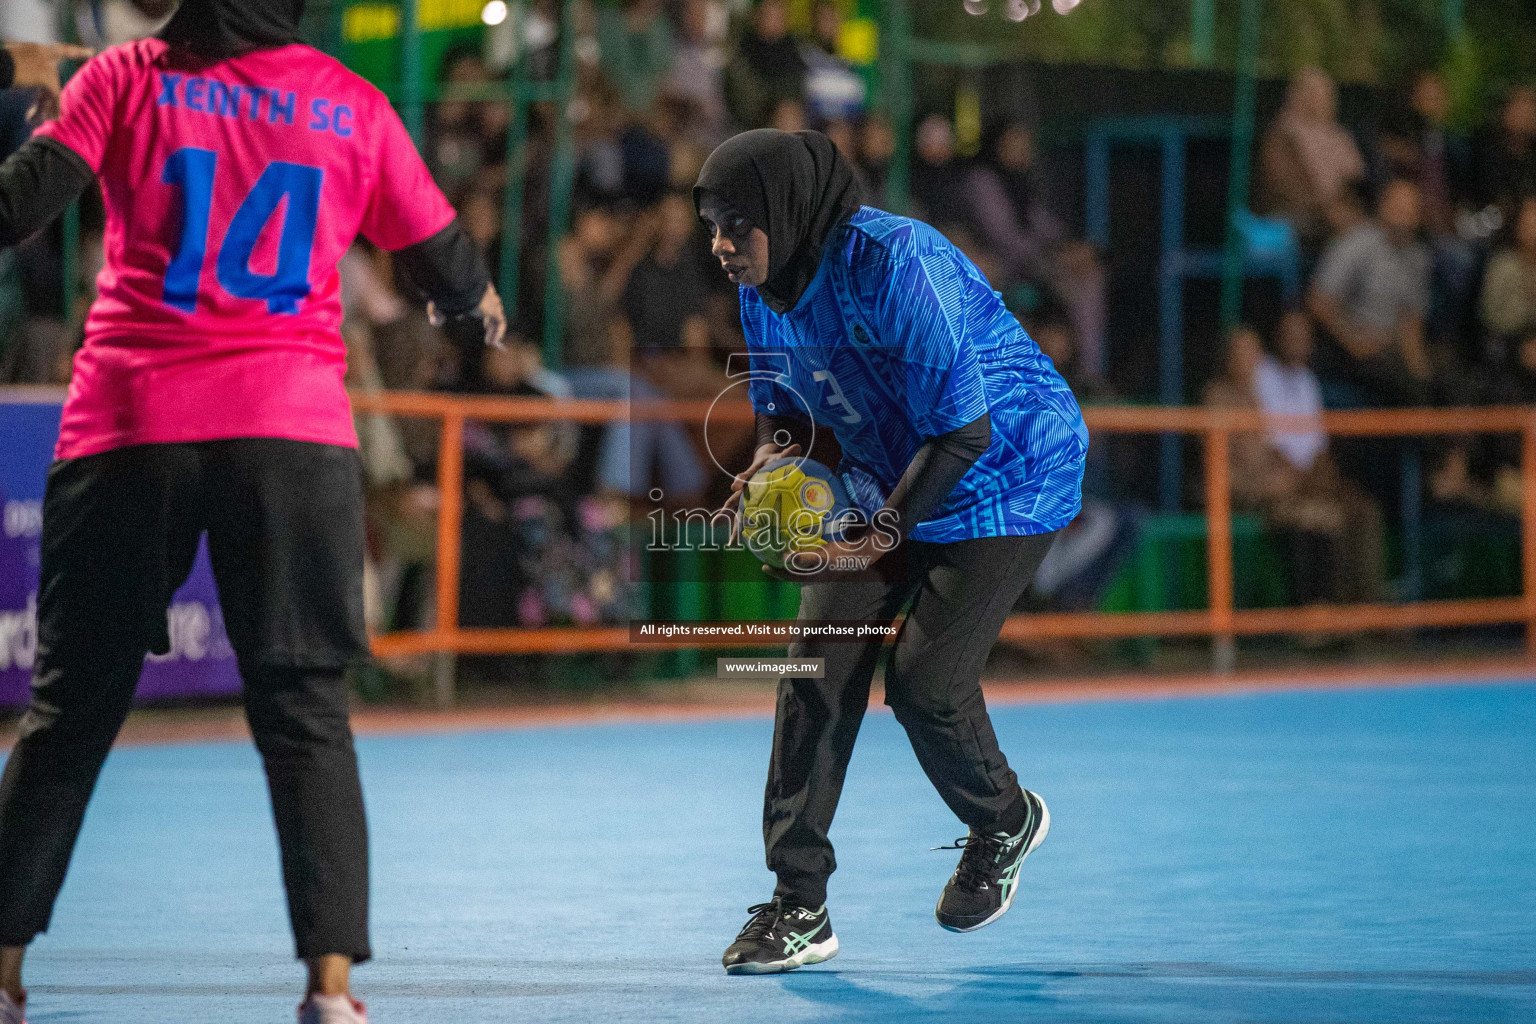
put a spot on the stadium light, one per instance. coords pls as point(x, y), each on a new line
point(1018, 10)
point(1065, 6)
point(976, 7)
point(494, 12)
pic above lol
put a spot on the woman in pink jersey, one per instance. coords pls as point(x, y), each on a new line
point(236, 166)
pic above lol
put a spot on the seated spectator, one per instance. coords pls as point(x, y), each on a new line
point(833, 89)
point(1418, 143)
point(766, 69)
point(1370, 293)
point(636, 48)
point(1306, 158)
point(1506, 166)
point(1329, 526)
point(1009, 209)
point(595, 273)
point(665, 295)
point(668, 308)
point(535, 551)
point(1509, 287)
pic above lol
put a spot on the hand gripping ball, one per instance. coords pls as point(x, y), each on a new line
point(792, 505)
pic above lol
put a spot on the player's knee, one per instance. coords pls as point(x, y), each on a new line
point(294, 710)
point(917, 687)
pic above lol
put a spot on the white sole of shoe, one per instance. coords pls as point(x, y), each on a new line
point(816, 953)
point(1034, 843)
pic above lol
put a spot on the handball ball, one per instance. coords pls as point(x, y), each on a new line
point(792, 505)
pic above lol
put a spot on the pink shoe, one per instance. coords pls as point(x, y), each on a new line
point(319, 1009)
point(10, 1012)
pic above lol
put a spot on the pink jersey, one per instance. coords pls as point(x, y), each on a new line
point(232, 190)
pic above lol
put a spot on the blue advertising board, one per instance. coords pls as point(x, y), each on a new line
point(201, 661)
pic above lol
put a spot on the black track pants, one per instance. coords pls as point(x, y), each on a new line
point(960, 594)
point(120, 532)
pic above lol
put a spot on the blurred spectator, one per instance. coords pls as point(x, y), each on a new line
point(697, 75)
point(1509, 287)
point(595, 272)
point(637, 49)
point(400, 498)
point(457, 133)
point(833, 89)
point(1507, 161)
point(1330, 528)
point(665, 296)
point(766, 69)
point(535, 552)
point(1418, 144)
point(480, 213)
point(1007, 195)
point(622, 161)
point(877, 145)
point(1306, 158)
point(789, 116)
point(938, 178)
point(1370, 292)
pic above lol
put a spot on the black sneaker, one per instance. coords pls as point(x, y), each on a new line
point(983, 886)
point(781, 937)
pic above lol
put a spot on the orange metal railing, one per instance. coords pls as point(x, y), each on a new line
point(1221, 620)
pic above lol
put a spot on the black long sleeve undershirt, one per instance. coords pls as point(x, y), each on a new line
point(447, 269)
point(37, 183)
point(7, 69)
point(935, 470)
point(929, 477)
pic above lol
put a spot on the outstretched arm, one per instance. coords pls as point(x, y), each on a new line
point(37, 183)
point(448, 270)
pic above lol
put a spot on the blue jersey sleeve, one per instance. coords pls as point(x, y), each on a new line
point(920, 311)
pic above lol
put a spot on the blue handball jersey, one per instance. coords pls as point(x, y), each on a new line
point(898, 339)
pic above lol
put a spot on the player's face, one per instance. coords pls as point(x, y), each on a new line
point(741, 248)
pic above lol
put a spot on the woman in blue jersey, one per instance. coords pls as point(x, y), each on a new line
point(961, 437)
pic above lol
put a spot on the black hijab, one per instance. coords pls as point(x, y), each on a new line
point(218, 29)
point(793, 186)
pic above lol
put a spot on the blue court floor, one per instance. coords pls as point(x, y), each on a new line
point(1359, 856)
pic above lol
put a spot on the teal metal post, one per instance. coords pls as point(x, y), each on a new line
point(1202, 31)
point(896, 72)
point(412, 109)
point(562, 180)
point(70, 257)
point(1241, 162)
point(1454, 13)
point(512, 196)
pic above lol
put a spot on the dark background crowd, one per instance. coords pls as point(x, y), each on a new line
point(1414, 242)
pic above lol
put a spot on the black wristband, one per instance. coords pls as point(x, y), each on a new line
point(768, 426)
